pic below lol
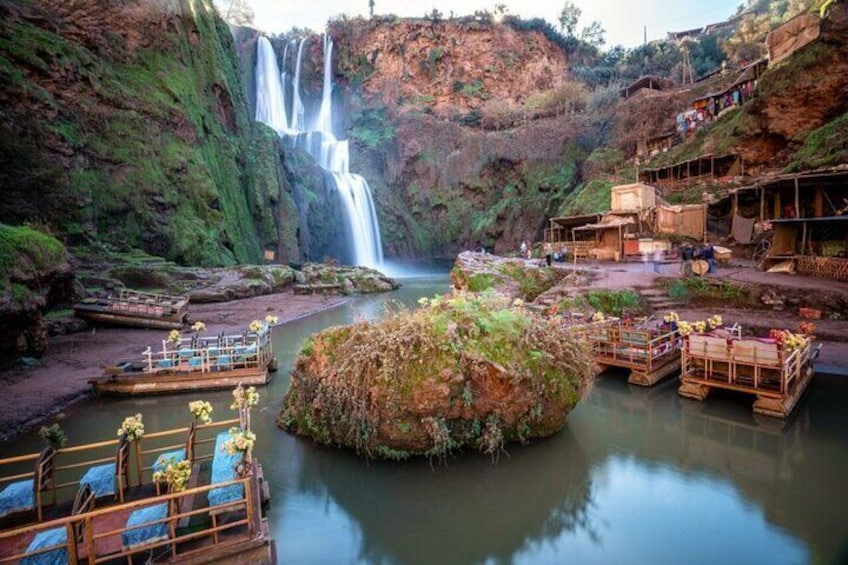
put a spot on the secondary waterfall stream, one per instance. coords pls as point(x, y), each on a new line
point(332, 154)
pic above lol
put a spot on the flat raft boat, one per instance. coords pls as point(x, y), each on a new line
point(136, 308)
point(192, 365)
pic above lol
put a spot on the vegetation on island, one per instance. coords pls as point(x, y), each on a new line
point(468, 372)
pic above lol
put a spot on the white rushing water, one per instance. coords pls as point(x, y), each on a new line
point(332, 154)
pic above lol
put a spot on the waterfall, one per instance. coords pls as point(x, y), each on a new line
point(325, 114)
point(270, 101)
point(297, 105)
point(329, 152)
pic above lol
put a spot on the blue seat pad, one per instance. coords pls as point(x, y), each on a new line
point(224, 470)
point(17, 497)
point(45, 539)
point(142, 534)
point(101, 479)
point(162, 461)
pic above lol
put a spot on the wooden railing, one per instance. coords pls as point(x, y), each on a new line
point(747, 365)
point(205, 354)
point(85, 550)
point(71, 462)
point(624, 345)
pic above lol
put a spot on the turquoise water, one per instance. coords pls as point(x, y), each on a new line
point(637, 476)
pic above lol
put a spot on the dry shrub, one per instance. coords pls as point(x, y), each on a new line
point(500, 114)
point(567, 98)
point(470, 371)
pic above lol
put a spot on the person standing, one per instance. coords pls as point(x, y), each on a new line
point(708, 255)
point(687, 255)
point(524, 247)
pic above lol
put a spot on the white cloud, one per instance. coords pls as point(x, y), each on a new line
point(623, 19)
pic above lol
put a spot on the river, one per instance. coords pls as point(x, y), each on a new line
point(637, 476)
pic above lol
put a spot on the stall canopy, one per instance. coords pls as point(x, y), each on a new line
point(685, 220)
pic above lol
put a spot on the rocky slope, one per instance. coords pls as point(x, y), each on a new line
point(126, 122)
point(796, 120)
point(34, 275)
point(446, 64)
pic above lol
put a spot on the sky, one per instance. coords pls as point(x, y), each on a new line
point(623, 19)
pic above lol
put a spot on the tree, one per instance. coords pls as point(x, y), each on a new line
point(235, 12)
point(371, 8)
point(568, 18)
point(593, 34)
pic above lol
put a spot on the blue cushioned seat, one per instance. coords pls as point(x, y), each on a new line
point(17, 497)
point(165, 363)
point(224, 360)
point(195, 361)
point(43, 540)
point(139, 534)
point(224, 470)
point(163, 460)
point(101, 479)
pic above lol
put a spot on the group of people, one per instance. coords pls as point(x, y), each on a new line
point(689, 254)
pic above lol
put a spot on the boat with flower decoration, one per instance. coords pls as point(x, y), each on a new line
point(776, 369)
point(195, 363)
point(650, 349)
point(193, 494)
point(137, 309)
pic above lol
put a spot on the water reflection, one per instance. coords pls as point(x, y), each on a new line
point(469, 511)
point(792, 472)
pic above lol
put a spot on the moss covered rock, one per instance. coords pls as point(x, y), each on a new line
point(468, 372)
point(351, 280)
point(34, 275)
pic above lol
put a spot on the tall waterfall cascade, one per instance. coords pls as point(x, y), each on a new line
point(315, 135)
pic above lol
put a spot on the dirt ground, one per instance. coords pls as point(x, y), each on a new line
point(32, 394)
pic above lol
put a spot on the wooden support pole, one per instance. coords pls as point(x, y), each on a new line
point(818, 202)
point(797, 200)
point(803, 238)
point(762, 204)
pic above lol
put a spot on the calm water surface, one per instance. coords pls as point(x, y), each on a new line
point(637, 476)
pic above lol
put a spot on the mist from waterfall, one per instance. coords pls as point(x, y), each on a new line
point(319, 141)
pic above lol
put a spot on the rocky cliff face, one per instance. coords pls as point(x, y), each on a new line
point(413, 88)
point(446, 63)
point(126, 122)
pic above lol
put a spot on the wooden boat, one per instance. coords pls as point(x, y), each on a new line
point(194, 364)
point(775, 374)
point(135, 308)
point(219, 518)
point(651, 353)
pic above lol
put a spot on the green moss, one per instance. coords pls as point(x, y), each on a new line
point(592, 197)
point(28, 251)
point(824, 147)
point(480, 281)
point(169, 160)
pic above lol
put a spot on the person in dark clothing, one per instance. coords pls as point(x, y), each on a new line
point(687, 255)
point(708, 254)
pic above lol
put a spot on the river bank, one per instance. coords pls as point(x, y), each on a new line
point(34, 393)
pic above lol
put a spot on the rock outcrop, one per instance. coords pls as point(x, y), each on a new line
point(468, 372)
point(126, 122)
point(34, 275)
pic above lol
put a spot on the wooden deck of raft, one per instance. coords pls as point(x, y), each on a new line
point(649, 354)
point(196, 532)
point(761, 367)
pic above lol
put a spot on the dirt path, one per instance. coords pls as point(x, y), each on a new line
point(32, 394)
